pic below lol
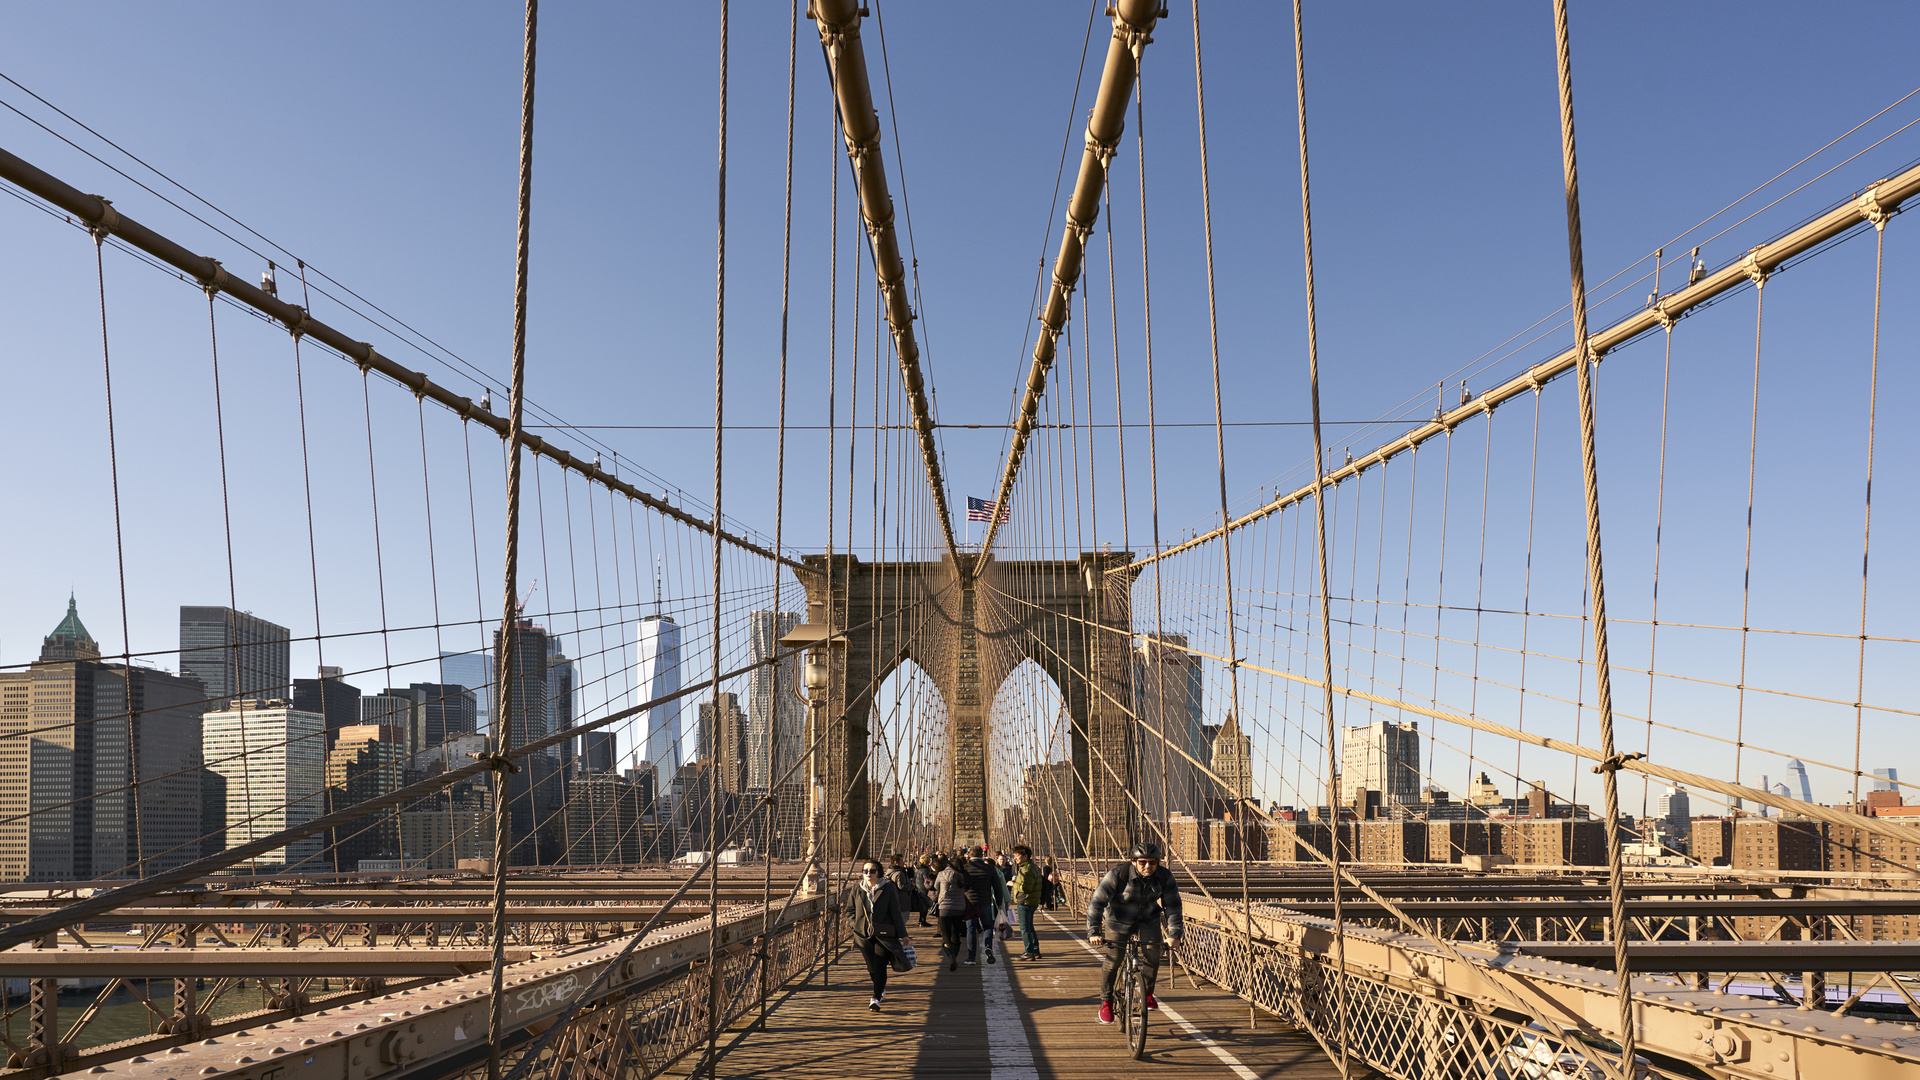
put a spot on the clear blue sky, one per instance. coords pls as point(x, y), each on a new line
point(378, 142)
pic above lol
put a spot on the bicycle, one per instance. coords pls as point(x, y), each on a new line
point(1133, 999)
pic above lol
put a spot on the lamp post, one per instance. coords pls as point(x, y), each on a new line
point(817, 638)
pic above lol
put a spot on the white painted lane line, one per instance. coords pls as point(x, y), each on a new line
point(1227, 1059)
point(1007, 1047)
point(1219, 1051)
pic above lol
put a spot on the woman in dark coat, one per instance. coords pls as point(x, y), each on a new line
point(879, 925)
point(950, 904)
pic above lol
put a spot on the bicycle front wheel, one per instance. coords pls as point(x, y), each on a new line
point(1137, 1013)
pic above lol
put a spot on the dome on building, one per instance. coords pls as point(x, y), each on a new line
point(70, 640)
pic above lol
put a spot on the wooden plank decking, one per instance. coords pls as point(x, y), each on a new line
point(935, 1024)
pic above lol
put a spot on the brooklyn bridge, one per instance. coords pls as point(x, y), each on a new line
point(1585, 765)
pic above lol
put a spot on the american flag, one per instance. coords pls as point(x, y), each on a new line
point(982, 510)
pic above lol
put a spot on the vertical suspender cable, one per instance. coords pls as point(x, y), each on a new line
point(120, 555)
point(1320, 542)
point(1866, 518)
point(779, 492)
point(313, 547)
point(1609, 768)
point(1119, 412)
point(503, 697)
point(1153, 438)
point(712, 772)
point(1226, 519)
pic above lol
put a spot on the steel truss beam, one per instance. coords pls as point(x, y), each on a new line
point(354, 916)
point(248, 963)
point(1600, 909)
point(99, 214)
point(1868, 956)
point(839, 22)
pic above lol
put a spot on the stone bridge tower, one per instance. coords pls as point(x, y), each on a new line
point(968, 627)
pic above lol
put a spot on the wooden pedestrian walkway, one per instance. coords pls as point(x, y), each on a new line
point(1029, 1020)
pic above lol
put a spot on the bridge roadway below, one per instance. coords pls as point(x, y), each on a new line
point(1019, 1020)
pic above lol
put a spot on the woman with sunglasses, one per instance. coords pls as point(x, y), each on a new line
point(879, 925)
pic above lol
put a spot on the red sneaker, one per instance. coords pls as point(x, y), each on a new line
point(1152, 1004)
point(1106, 1012)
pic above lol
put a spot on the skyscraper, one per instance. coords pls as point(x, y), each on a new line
point(729, 754)
point(47, 833)
point(446, 712)
point(777, 732)
point(366, 762)
point(1232, 761)
point(1676, 809)
point(146, 733)
point(562, 680)
point(658, 657)
point(603, 820)
point(1383, 756)
point(234, 654)
point(473, 670)
point(1168, 693)
point(534, 793)
point(401, 709)
point(330, 696)
point(776, 708)
point(1799, 771)
point(597, 751)
point(110, 771)
point(273, 758)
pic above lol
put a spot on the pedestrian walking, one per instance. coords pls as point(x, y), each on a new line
point(1026, 889)
point(987, 895)
point(923, 886)
point(879, 926)
point(1049, 885)
point(1131, 901)
point(950, 906)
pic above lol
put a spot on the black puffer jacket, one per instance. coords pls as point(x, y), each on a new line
point(1128, 900)
point(979, 882)
point(879, 912)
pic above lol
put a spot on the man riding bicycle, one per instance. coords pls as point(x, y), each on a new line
point(1130, 902)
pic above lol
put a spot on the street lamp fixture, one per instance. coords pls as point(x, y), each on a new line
point(816, 637)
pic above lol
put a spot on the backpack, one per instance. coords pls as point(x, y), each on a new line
point(978, 879)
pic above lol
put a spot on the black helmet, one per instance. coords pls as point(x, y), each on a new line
point(1143, 850)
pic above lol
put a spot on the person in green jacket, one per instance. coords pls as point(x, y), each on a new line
point(1026, 896)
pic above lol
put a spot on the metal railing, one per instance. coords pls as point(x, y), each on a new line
point(1413, 1012)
